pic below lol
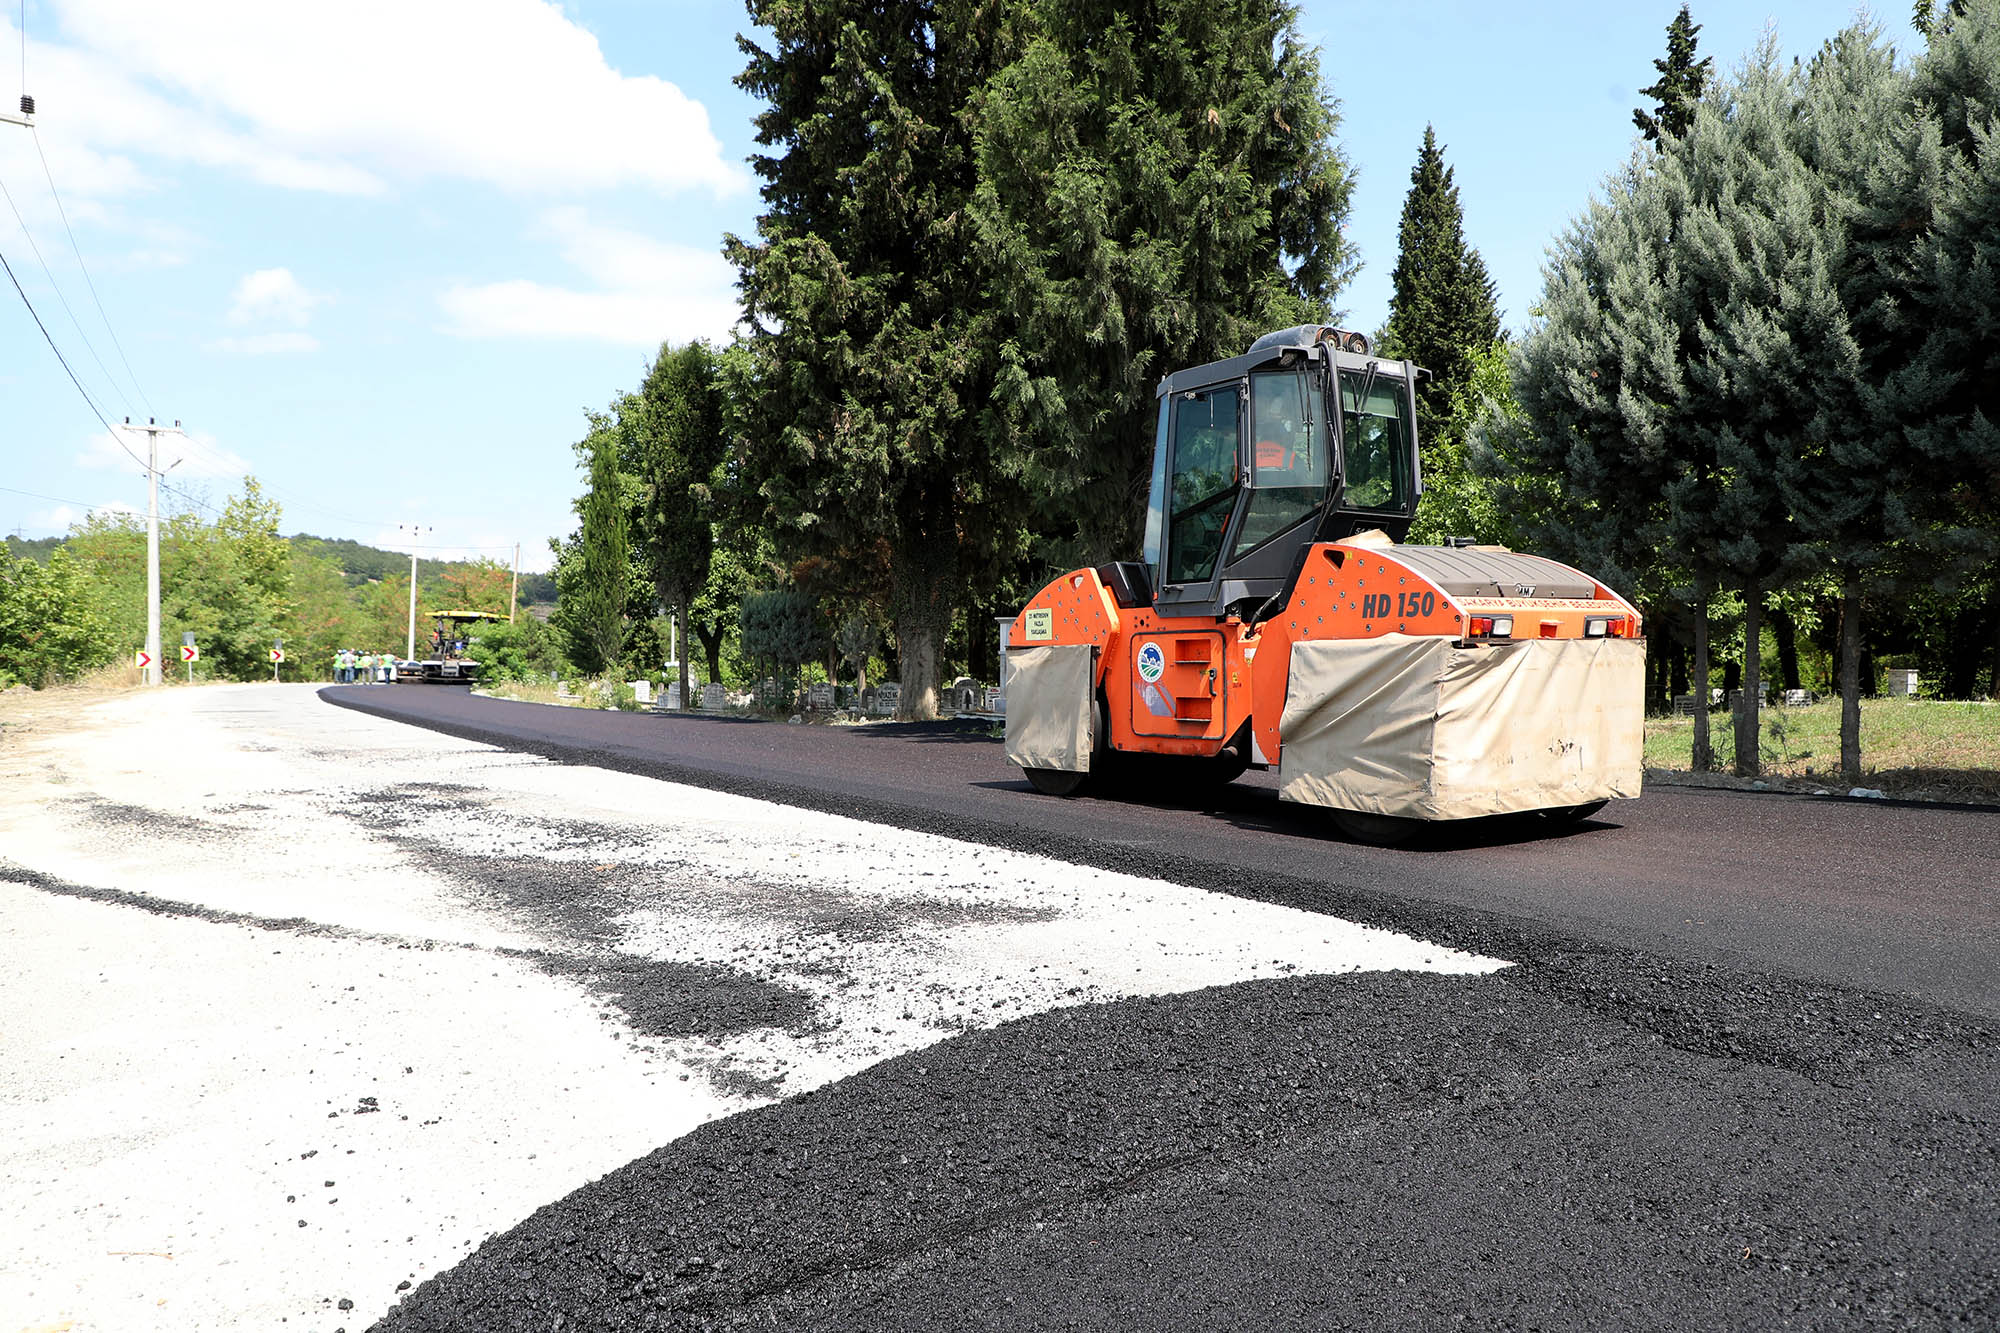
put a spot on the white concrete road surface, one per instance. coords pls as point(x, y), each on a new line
point(297, 1004)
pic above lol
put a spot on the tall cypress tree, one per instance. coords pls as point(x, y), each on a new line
point(869, 353)
point(594, 575)
point(1682, 81)
point(1442, 311)
point(674, 428)
point(1158, 184)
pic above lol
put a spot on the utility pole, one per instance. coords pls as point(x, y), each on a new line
point(153, 434)
point(514, 590)
point(416, 537)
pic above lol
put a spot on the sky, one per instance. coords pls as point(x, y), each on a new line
point(384, 254)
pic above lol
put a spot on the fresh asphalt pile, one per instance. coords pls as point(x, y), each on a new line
point(1372, 1151)
point(1597, 1137)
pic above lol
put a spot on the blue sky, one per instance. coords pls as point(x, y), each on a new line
point(383, 254)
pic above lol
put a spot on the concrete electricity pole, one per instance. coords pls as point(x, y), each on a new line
point(514, 589)
point(153, 473)
point(416, 536)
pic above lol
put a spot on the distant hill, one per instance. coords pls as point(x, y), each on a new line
point(359, 564)
point(34, 548)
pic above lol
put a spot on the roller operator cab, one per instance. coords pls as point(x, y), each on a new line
point(1275, 619)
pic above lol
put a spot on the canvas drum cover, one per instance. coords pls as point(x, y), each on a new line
point(1048, 706)
point(1423, 728)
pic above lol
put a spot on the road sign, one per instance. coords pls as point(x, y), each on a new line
point(142, 659)
point(277, 654)
point(190, 653)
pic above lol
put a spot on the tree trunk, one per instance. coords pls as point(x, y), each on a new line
point(1850, 682)
point(1993, 676)
point(1749, 704)
point(923, 573)
point(681, 652)
point(711, 637)
point(1704, 749)
point(917, 638)
point(1677, 669)
point(1786, 631)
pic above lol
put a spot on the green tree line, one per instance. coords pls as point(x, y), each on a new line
point(71, 606)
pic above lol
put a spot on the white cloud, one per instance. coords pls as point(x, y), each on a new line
point(267, 344)
point(338, 98)
point(59, 520)
point(273, 295)
point(646, 291)
point(195, 454)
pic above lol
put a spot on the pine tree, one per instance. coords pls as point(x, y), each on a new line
point(1694, 337)
point(1442, 310)
point(1158, 185)
point(856, 402)
point(1682, 81)
point(1954, 426)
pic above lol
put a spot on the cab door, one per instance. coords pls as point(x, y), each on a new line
point(1179, 685)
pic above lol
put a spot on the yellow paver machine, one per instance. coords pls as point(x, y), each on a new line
point(446, 659)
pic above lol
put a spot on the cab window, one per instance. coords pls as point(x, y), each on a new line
point(1208, 437)
point(1375, 433)
point(1288, 456)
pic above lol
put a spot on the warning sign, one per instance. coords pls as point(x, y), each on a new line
point(190, 653)
point(277, 654)
point(1040, 625)
point(142, 659)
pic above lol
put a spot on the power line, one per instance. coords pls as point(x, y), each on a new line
point(46, 272)
point(65, 362)
point(62, 500)
point(63, 213)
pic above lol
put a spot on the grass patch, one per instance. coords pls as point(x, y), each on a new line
point(1906, 745)
point(589, 694)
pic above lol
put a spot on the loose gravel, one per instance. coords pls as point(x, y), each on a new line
point(303, 1005)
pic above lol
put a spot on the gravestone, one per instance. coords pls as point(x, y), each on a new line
point(1798, 698)
point(642, 690)
point(819, 695)
point(887, 697)
point(1902, 683)
point(1684, 705)
point(714, 696)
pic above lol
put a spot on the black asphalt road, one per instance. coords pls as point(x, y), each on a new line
point(1744, 1075)
point(1875, 895)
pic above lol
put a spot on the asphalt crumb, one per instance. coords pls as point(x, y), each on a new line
point(1375, 1150)
point(668, 999)
point(141, 821)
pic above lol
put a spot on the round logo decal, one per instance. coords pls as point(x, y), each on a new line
point(1151, 662)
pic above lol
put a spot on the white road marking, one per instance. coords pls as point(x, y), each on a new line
point(164, 1076)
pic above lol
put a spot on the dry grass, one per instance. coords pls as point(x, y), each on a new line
point(1917, 748)
point(589, 694)
point(22, 707)
point(528, 692)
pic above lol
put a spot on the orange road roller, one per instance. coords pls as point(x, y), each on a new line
point(1276, 619)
